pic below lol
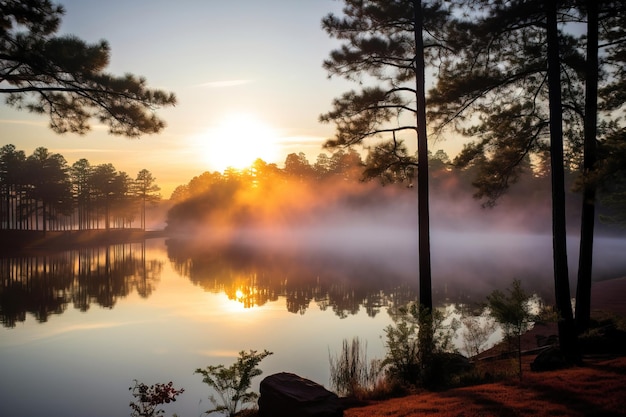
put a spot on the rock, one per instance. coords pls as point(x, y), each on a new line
point(456, 363)
point(445, 370)
point(549, 360)
point(288, 395)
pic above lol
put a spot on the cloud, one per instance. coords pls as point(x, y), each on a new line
point(82, 151)
point(225, 83)
point(218, 353)
point(23, 122)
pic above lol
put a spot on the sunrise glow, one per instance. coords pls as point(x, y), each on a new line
point(237, 141)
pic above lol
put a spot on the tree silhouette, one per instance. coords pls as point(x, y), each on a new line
point(102, 178)
point(12, 164)
point(80, 174)
point(63, 76)
point(587, 221)
point(49, 184)
point(384, 40)
point(146, 189)
point(40, 192)
point(522, 80)
point(605, 21)
point(124, 200)
point(567, 330)
point(297, 166)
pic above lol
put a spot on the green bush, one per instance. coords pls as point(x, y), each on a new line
point(417, 347)
point(513, 312)
point(401, 360)
point(232, 384)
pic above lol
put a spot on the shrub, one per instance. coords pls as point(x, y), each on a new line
point(402, 345)
point(417, 344)
point(149, 398)
point(232, 383)
point(476, 333)
point(513, 312)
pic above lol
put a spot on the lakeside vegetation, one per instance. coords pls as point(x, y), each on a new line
point(445, 379)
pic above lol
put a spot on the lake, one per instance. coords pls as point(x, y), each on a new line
point(79, 326)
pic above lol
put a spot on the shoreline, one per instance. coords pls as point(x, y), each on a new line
point(14, 241)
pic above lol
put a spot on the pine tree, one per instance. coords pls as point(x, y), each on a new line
point(63, 76)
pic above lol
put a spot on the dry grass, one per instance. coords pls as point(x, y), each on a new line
point(596, 389)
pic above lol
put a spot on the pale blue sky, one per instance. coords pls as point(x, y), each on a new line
point(223, 59)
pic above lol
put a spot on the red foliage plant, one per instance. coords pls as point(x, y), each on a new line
point(149, 398)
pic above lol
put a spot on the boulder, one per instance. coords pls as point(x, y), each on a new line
point(288, 395)
point(549, 360)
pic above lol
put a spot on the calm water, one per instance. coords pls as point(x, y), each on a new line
point(79, 326)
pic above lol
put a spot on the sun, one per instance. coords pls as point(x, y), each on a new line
point(237, 141)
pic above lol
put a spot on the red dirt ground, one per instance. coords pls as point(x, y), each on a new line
point(598, 388)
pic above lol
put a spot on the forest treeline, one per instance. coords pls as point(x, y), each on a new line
point(304, 193)
point(42, 192)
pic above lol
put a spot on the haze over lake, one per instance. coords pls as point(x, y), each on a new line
point(79, 326)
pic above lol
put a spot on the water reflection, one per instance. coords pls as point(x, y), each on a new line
point(337, 280)
point(176, 316)
point(45, 284)
point(255, 277)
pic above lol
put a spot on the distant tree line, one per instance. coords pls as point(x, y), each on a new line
point(346, 165)
point(267, 193)
point(42, 192)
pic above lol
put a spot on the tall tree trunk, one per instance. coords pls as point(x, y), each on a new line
point(143, 213)
point(585, 259)
point(6, 208)
point(426, 330)
point(43, 217)
point(426, 298)
point(106, 214)
point(567, 329)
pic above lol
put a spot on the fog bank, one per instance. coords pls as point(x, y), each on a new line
point(473, 249)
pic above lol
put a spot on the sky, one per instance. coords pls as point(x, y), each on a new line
point(235, 67)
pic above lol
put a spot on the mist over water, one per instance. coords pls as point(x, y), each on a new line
point(368, 230)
